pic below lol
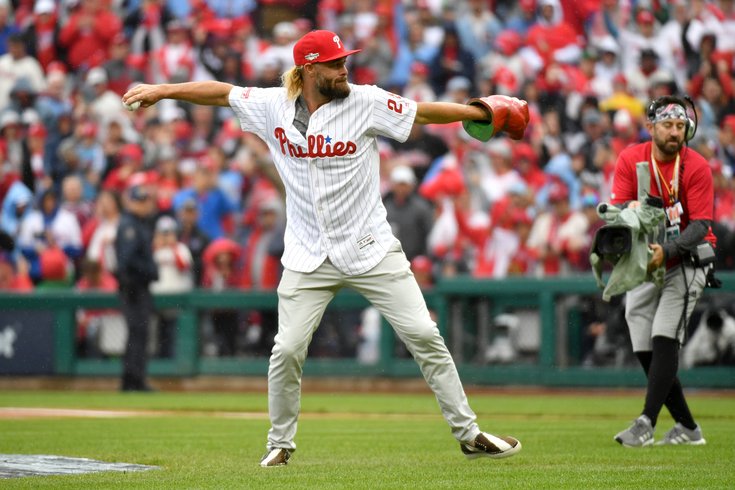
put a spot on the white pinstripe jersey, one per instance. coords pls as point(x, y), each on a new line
point(333, 203)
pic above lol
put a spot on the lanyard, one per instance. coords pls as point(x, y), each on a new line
point(672, 192)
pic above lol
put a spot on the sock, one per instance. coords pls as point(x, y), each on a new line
point(675, 401)
point(661, 375)
point(644, 357)
point(678, 407)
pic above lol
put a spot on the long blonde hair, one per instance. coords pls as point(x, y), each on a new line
point(293, 82)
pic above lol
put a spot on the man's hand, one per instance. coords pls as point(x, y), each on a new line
point(146, 94)
point(658, 257)
point(505, 113)
point(209, 92)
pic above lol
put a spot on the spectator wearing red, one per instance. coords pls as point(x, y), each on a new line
point(175, 60)
point(57, 272)
point(525, 161)
point(423, 269)
point(523, 261)
point(246, 41)
point(724, 194)
point(578, 13)
point(98, 235)
point(491, 247)
point(261, 266)
point(88, 34)
point(42, 34)
point(14, 275)
point(551, 36)
point(129, 161)
point(505, 67)
point(94, 277)
point(222, 271)
point(558, 235)
point(170, 180)
point(518, 200)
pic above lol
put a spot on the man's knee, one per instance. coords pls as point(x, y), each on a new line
point(423, 333)
point(289, 353)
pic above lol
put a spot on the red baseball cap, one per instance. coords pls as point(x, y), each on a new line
point(645, 17)
point(37, 130)
point(132, 152)
point(558, 192)
point(319, 47)
point(729, 122)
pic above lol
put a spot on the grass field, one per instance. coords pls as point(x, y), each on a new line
point(215, 441)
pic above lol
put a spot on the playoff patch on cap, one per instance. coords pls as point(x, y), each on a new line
point(319, 47)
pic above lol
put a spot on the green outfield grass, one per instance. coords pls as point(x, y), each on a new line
point(368, 441)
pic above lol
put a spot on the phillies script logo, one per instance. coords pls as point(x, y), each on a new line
point(318, 146)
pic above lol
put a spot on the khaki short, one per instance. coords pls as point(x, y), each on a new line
point(652, 312)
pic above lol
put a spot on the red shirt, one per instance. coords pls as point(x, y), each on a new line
point(696, 191)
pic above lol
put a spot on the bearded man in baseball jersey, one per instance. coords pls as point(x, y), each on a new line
point(321, 131)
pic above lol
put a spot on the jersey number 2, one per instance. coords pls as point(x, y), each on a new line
point(395, 106)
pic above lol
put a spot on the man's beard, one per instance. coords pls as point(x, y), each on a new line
point(332, 90)
point(669, 147)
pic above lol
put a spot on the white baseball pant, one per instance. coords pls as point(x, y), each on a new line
point(392, 289)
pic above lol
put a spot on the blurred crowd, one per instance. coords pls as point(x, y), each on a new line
point(69, 151)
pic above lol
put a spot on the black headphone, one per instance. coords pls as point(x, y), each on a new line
point(691, 125)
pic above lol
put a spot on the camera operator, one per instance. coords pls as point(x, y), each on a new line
point(657, 317)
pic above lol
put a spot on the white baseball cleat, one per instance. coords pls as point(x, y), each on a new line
point(275, 457)
point(490, 446)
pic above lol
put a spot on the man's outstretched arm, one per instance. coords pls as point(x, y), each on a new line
point(448, 112)
point(201, 93)
point(482, 117)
